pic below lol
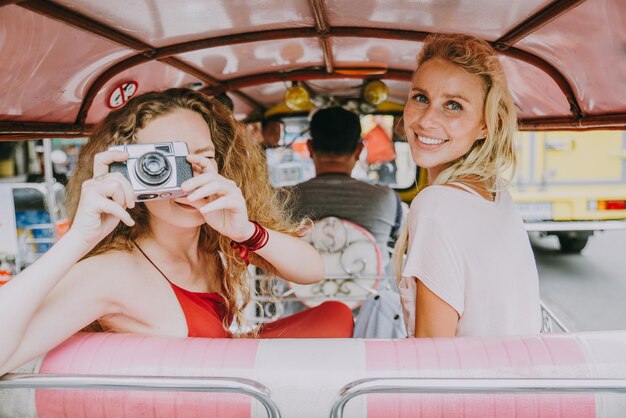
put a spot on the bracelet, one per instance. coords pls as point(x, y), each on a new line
point(258, 240)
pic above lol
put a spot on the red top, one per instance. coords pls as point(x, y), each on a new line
point(203, 312)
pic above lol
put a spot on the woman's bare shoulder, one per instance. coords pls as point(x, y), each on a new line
point(117, 277)
point(112, 264)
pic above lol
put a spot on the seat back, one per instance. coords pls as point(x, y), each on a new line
point(354, 268)
point(353, 263)
point(304, 377)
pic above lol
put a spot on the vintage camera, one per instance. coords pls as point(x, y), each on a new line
point(155, 171)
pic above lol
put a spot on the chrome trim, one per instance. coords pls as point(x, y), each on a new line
point(532, 152)
point(381, 277)
point(153, 383)
point(51, 201)
point(544, 187)
point(321, 298)
point(575, 226)
point(624, 159)
point(473, 385)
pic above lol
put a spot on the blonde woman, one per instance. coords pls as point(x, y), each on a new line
point(172, 267)
point(469, 268)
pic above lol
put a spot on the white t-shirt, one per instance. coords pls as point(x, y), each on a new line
point(475, 255)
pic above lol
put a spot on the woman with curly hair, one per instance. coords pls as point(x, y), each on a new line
point(171, 267)
point(469, 268)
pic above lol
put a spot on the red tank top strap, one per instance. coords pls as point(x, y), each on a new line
point(203, 312)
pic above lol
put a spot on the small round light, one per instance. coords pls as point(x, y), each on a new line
point(297, 98)
point(375, 92)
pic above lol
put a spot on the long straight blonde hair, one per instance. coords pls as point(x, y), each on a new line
point(492, 160)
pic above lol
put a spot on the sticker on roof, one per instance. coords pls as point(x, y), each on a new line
point(121, 94)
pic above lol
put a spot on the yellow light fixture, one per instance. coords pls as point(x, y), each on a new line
point(297, 98)
point(375, 92)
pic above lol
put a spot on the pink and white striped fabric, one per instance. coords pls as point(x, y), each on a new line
point(480, 357)
point(119, 354)
point(305, 375)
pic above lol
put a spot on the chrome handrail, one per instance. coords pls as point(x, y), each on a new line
point(322, 298)
point(474, 385)
point(152, 383)
point(352, 276)
point(555, 226)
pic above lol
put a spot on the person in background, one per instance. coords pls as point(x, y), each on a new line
point(335, 147)
point(272, 132)
point(171, 267)
point(469, 268)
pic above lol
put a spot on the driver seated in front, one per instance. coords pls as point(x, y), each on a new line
point(335, 147)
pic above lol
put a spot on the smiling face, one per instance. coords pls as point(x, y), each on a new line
point(444, 114)
point(178, 125)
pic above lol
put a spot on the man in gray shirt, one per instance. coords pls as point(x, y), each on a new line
point(335, 147)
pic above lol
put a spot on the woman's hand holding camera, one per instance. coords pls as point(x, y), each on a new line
point(103, 201)
point(218, 199)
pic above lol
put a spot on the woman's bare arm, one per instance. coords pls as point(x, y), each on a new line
point(21, 297)
point(294, 258)
point(433, 316)
point(26, 297)
point(223, 206)
point(44, 311)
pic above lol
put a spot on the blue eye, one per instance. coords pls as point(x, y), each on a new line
point(420, 98)
point(451, 105)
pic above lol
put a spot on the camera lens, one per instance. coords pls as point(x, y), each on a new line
point(153, 168)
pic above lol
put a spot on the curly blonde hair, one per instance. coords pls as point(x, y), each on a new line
point(491, 161)
point(238, 159)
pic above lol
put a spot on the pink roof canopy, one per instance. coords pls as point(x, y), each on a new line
point(62, 60)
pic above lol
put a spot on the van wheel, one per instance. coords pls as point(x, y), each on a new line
point(572, 245)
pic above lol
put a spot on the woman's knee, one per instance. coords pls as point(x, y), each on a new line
point(337, 311)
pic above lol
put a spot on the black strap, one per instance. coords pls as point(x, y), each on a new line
point(397, 221)
point(151, 262)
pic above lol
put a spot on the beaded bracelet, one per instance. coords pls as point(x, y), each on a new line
point(259, 238)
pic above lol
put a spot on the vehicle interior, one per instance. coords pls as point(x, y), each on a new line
point(67, 63)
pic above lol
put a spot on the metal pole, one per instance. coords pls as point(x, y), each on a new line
point(50, 180)
point(152, 383)
point(473, 385)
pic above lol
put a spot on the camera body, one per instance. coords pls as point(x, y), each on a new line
point(155, 171)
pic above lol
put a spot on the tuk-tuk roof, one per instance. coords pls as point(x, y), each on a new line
point(66, 63)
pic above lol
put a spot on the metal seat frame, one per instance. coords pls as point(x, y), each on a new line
point(248, 387)
point(474, 386)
